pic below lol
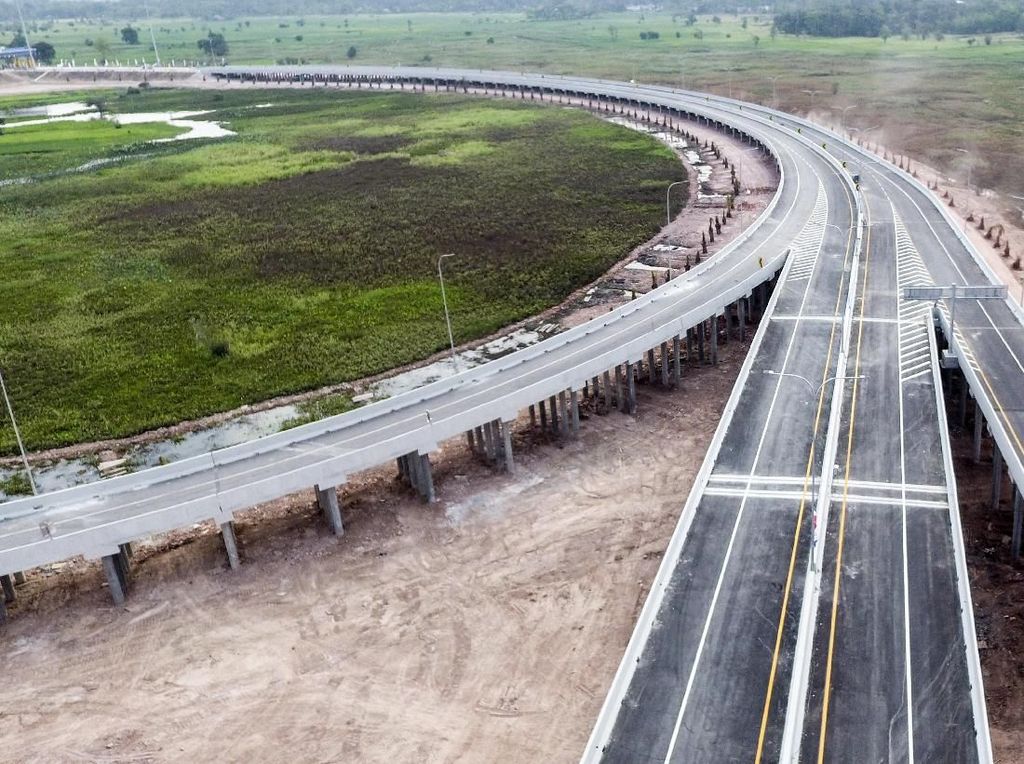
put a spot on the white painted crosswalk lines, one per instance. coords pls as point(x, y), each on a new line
point(807, 245)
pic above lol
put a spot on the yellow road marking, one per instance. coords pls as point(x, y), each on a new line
point(842, 513)
point(800, 516)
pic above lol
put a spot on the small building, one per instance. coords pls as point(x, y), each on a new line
point(17, 58)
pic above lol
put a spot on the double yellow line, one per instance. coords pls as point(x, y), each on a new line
point(827, 694)
point(765, 712)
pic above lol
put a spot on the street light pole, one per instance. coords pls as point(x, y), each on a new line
point(444, 300)
point(815, 392)
point(17, 435)
point(775, 97)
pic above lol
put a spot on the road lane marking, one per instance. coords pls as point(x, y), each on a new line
point(827, 694)
point(766, 707)
point(821, 199)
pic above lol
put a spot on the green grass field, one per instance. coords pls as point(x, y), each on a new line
point(925, 97)
point(298, 254)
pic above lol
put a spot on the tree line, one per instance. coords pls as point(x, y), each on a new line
point(904, 17)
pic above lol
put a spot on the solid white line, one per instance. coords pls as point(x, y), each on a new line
point(912, 487)
point(903, 496)
point(767, 479)
point(755, 494)
point(884, 501)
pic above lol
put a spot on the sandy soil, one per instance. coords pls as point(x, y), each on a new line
point(485, 628)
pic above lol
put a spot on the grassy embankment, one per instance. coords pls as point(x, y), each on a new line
point(927, 97)
point(299, 254)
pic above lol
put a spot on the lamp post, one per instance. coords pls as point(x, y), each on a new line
point(668, 211)
point(815, 392)
point(17, 435)
point(775, 97)
point(444, 300)
point(842, 119)
point(811, 93)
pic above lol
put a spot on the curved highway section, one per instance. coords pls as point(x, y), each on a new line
point(813, 601)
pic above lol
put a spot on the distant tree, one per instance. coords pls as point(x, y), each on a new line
point(691, 20)
point(613, 31)
point(44, 52)
point(970, 42)
point(351, 52)
point(699, 34)
point(298, 38)
point(102, 46)
point(408, 25)
point(757, 39)
point(130, 35)
point(988, 39)
point(885, 33)
point(743, 22)
point(678, 34)
point(213, 45)
point(490, 41)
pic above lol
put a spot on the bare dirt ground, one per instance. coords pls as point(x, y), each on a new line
point(484, 628)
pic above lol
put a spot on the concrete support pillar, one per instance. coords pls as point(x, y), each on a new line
point(962, 407)
point(997, 475)
point(227, 533)
point(630, 389)
point(490, 447)
point(3, 611)
point(620, 392)
point(700, 342)
point(8, 587)
point(553, 405)
point(979, 428)
point(563, 411)
point(574, 408)
point(595, 390)
point(19, 577)
point(689, 345)
point(677, 372)
point(652, 370)
point(607, 391)
point(543, 416)
point(469, 441)
point(327, 500)
point(426, 475)
point(1018, 521)
point(115, 577)
point(533, 415)
point(714, 340)
point(664, 364)
point(742, 317)
point(727, 313)
point(506, 433)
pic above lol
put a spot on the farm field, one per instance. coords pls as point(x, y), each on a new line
point(196, 276)
point(927, 98)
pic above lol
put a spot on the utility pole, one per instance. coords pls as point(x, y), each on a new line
point(17, 435)
point(24, 33)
